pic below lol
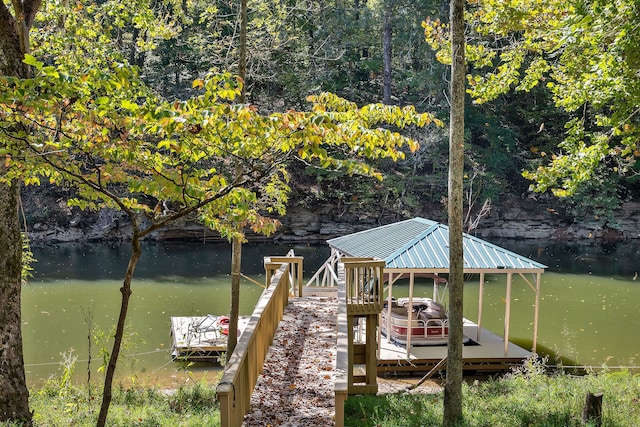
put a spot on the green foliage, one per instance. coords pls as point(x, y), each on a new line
point(581, 52)
point(199, 398)
point(192, 405)
point(596, 200)
point(27, 259)
point(133, 156)
point(64, 385)
point(528, 397)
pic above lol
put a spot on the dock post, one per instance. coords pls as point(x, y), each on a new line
point(362, 279)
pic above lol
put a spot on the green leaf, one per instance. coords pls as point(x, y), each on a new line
point(31, 60)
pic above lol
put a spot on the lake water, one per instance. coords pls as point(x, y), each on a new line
point(588, 315)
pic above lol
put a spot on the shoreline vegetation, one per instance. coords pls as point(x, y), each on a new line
point(529, 396)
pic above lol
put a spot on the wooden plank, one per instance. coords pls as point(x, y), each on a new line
point(440, 365)
point(363, 389)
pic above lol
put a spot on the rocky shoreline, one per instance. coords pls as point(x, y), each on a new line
point(516, 220)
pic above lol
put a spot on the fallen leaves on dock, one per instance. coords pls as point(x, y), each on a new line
point(296, 387)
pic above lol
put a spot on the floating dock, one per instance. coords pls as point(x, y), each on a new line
point(200, 338)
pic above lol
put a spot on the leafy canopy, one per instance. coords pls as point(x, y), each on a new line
point(585, 53)
point(124, 148)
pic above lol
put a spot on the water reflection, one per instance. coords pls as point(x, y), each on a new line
point(588, 306)
point(74, 281)
point(612, 259)
point(160, 261)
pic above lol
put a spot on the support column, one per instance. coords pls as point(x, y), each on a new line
point(409, 314)
point(480, 294)
point(535, 312)
point(507, 315)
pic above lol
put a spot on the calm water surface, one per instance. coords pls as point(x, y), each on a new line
point(77, 285)
point(589, 307)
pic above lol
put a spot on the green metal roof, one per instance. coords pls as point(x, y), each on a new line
point(420, 243)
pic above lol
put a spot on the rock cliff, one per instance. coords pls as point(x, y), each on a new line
point(49, 220)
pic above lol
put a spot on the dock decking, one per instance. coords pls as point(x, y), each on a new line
point(483, 353)
point(199, 338)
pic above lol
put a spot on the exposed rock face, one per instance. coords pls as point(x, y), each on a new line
point(532, 220)
point(513, 219)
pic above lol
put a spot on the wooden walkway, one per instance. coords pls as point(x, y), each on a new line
point(297, 383)
point(296, 386)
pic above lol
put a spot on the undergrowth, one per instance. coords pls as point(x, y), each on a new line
point(527, 397)
point(59, 403)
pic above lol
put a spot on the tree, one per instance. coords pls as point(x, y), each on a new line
point(387, 32)
point(236, 246)
point(15, 25)
point(453, 386)
point(582, 52)
point(104, 132)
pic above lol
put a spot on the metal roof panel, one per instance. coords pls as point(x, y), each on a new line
point(424, 244)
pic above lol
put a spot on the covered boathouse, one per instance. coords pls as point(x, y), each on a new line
point(418, 248)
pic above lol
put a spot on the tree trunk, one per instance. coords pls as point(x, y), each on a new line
point(14, 398)
point(592, 411)
point(453, 386)
point(386, 48)
point(242, 60)
point(14, 395)
point(236, 256)
point(125, 290)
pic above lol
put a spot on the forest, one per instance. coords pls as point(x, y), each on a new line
point(372, 51)
point(551, 112)
point(231, 112)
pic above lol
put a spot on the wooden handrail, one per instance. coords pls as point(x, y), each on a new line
point(245, 364)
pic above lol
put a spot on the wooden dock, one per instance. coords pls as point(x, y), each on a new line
point(200, 338)
point(484, 353)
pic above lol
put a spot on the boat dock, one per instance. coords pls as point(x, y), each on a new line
point(483, 353)
point(200, 338)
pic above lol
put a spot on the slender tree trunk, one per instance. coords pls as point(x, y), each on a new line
point(242, 60)
point(236, 256)
point(14, 395)
point(236, 246)
point(125, 290)
point(453, 386)
point(387, 53)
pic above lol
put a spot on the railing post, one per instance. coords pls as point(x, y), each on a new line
point(361, 279)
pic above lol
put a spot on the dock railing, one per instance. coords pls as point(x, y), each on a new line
point(363, 282)
point(242, 371)
point(326, 275)
point(341, 388)
point(271, 264)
